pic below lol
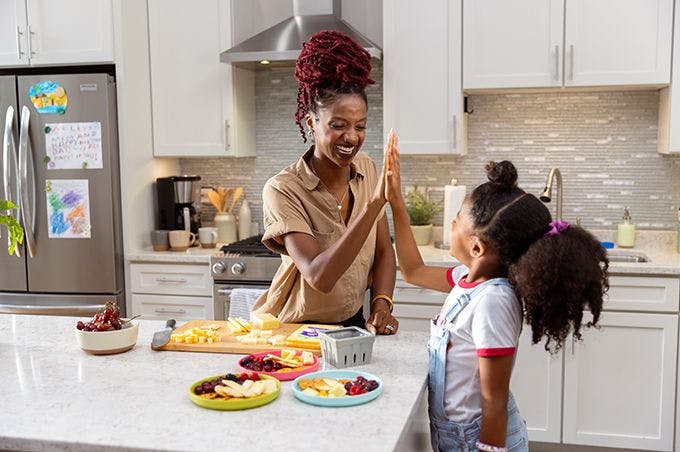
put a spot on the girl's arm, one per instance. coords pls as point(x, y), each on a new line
point(494, 376)
point(323, 269)
point(410, 261)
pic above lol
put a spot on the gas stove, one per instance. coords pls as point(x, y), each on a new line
point(247, 260)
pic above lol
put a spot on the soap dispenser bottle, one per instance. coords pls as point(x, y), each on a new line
point(625, 237)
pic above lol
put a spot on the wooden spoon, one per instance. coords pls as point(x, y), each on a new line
point(215, 200)
point(227, 194)
point(237, 194)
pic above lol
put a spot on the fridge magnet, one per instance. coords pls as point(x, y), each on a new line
point(68, 208)
point(73, 145)
point(49, 98)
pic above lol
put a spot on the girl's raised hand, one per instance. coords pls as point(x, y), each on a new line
point(392, 175)
point(381, 188)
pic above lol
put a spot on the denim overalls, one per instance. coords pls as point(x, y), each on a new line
point(445, 434)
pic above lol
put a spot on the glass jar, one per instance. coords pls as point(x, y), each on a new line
point(226, 227)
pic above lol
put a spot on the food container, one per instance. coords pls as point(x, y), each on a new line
point(347, 347)
point(109, 342)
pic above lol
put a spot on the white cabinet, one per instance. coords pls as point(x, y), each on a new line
point(619, 383)
point(414, 306)
point(616, 388)
point(179, 291)
point(422, 95)
point(668, 141)
point(51, 32)
point(201, 107)
point(539, 43)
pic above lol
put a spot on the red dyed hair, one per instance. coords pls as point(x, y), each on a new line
point(329, 64)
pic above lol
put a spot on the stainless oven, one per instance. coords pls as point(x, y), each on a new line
point(243, 264)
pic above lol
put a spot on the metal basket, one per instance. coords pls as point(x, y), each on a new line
point(347, 347)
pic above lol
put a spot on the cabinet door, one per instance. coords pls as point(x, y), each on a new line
point(13, 41)
point(70, 31)
point(422, 96)
point(619, 383)
point(512, 44)
point(192, 92)
point(615, 42)
point(537, 386)
point(155, 307)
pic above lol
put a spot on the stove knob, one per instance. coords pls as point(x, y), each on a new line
point(238, 268)
point(219, 267)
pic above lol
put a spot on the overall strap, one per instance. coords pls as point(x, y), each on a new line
point(465, 298)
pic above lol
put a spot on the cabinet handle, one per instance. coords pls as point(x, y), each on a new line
point(454, 134)
point(163, 279)
point(19, 35)
point(31, 33)
point(170, 311)
point(571, 62)
point(557, 62)
point(227, 145)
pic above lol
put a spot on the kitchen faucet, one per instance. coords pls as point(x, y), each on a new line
point(545, 196)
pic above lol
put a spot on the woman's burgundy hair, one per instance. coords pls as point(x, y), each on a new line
point(556, 277)
point(329, 64)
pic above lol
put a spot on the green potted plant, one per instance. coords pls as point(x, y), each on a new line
point(16, 232)
point(420, 212)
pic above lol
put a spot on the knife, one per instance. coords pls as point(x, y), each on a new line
point(160, 338)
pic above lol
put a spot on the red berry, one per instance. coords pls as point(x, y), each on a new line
point(355, 390)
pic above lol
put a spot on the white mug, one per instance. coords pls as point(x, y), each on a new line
point(181, 240)
point(207, 236)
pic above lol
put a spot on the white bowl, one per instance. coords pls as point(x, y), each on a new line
point(109, 342)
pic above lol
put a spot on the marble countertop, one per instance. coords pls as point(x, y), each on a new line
point(658, 246)
point(62, 398)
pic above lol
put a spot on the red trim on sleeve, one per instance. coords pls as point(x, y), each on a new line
point(449, 277)
point(489, 352)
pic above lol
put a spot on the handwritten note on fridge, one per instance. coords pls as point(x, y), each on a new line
point(68, 208)
point(73, 145)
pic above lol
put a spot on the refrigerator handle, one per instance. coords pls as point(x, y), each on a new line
point(10, 170)
point(75, 310)
point(24, 150)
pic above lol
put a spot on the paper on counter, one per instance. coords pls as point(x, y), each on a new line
point(453, 199)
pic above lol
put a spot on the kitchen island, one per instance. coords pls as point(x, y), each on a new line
point(55, 396)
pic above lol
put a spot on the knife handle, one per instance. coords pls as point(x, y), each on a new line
point(170, 324)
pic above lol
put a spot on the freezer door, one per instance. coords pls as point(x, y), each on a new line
point(76, 265)
point(12, 268)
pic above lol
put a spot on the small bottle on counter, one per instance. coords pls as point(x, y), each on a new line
point(244, 220)
point(625, 236)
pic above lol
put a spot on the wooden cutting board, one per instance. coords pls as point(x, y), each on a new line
point(228, 343)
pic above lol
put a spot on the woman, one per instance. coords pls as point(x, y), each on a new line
point(325, 213)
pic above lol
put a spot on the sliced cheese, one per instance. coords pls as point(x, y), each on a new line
point(265, 321)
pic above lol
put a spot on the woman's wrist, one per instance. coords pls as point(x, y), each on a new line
point(382, 300)
point(489, 448)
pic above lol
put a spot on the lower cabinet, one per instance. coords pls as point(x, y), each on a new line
point(615, 388)
point(178, 291)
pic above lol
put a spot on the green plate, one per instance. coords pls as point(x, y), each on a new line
point(234, 404)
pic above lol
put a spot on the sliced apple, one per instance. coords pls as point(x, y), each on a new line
point(310, 391)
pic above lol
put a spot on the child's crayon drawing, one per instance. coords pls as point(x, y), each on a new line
point(68, 208)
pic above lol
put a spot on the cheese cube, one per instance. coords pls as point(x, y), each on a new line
point(265, 321)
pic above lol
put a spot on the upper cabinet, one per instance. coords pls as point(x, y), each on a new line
point(554, 43)
point(201, 107)
point(55, 32)
point(422, 95)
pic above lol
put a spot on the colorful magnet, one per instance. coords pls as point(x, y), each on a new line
point(48, 98)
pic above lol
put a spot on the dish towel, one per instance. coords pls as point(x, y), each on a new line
point(242, 300)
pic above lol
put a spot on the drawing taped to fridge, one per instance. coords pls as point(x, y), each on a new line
point(68, 208)
point(73, 145)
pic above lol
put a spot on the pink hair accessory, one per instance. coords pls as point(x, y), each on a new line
point(556, 227)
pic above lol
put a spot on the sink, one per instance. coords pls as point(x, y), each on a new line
point(615, 255)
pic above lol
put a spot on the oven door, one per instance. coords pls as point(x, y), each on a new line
point(222, 297)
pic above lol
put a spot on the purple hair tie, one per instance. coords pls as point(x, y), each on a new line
point(556, 227)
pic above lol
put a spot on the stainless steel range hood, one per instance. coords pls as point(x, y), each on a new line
point(281, 44)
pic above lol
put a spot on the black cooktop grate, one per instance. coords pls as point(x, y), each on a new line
point(252, 246)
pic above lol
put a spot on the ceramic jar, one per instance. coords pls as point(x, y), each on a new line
point(226, 227)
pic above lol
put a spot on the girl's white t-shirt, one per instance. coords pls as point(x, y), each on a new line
point(488, 326)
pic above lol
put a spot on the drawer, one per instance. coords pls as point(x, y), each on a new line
point(415, 317)
point(171, 279)
point(172, 307)
point(414, 294)
point(642, 293)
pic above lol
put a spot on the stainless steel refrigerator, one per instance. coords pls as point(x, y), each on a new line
point(60, 165)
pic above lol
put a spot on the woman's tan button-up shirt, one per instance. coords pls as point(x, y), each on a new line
point(295, 200)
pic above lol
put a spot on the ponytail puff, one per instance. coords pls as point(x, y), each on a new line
point(502, 173)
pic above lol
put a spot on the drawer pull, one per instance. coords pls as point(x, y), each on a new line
point(170, 311)
point(164, 280)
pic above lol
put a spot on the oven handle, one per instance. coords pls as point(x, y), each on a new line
point(224, 291)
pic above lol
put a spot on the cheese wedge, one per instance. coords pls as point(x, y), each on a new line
point(265, 321)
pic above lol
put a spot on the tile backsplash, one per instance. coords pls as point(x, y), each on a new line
point(604, 144)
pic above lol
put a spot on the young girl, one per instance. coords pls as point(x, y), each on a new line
point(515, 261)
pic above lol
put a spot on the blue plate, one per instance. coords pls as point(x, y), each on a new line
point(337, 401)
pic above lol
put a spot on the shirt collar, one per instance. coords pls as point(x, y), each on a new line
point(309, 179)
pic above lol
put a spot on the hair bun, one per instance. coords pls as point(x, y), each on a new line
point(502, 173)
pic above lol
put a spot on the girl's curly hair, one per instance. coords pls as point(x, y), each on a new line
point(329, 64)
point(555, 277)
